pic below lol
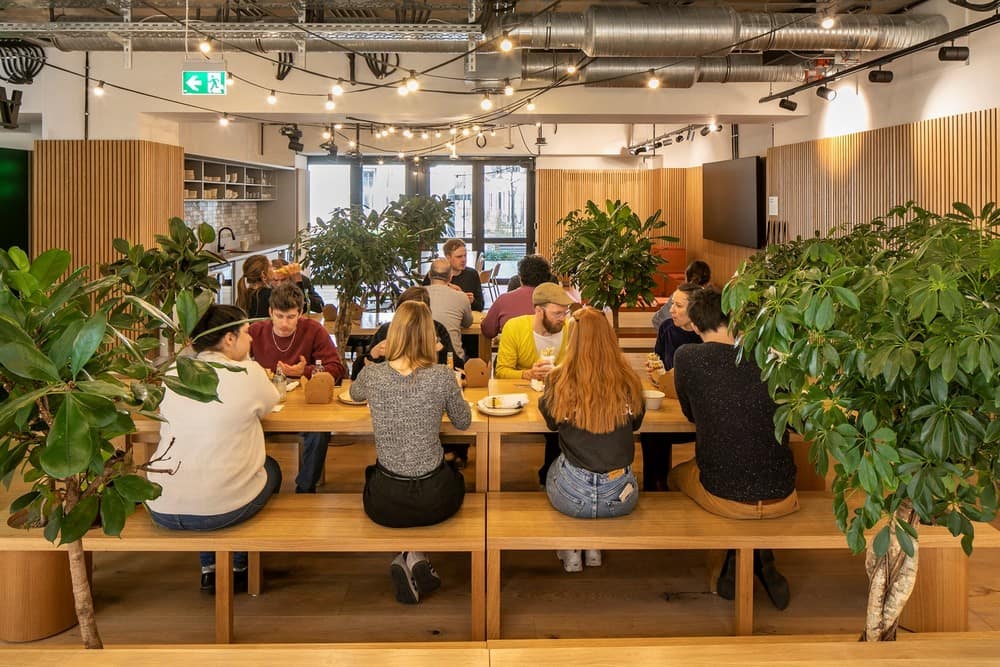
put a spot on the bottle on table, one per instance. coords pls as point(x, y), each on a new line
point(280, 383)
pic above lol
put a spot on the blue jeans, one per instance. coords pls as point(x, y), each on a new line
point(590, 495)
point(217, 521)
point(312, 458)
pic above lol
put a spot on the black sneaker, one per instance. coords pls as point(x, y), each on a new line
point(773, 581)
point(240, 581)
point(426, 576)
point(726, 585)
point(208, 582)
point(403, 581)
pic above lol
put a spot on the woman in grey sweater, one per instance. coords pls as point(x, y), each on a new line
point(410, 483)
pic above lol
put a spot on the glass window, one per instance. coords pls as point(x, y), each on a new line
point(454, 181)
point(505, 189)
point(382, 185)
point(329, 189)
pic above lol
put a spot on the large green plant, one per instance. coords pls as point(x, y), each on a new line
point(609, 254)
point(73, 381)
point(881, 344)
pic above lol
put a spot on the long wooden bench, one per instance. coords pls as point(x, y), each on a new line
point(294, 523)
point(527, 522)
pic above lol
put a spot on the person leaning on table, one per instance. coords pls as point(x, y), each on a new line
point(740, 470)
point(594, 400)
point(521, 344)
point(220, 475)
point(411, 484)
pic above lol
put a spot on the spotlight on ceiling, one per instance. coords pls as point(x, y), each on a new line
point(679, 138)
point(294, 134)
point(880, 76)
point(828, 94)
point(540, 139)
point(705, 130)
point(953, 53)
point(330, 147)
point(788, 105)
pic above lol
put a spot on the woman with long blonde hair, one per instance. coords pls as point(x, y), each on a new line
point(411, 484)
point(594, 400)
point(253, 290)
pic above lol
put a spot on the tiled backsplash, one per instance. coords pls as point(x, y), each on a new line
point(240, 216)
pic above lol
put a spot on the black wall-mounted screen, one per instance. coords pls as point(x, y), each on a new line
point(15, 185)
point(733, 202)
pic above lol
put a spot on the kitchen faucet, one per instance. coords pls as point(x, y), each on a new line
point(220, 247)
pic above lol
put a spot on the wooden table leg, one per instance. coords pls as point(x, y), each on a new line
point(478, 615)
point(223, 597)
point(492, 594)
point(940, 598)
point(485, 348)
point(482, 461)
point(255, 574)
point(744, 591)
point(494, 461)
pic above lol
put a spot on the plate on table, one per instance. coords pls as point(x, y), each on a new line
point(502, 406)
point(345, 397)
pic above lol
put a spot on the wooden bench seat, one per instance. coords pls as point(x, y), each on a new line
point(526, 521)
point(293, 523)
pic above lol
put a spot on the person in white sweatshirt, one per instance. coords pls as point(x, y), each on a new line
point(220, 475)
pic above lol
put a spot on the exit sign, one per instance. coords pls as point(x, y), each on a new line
point(203, 83)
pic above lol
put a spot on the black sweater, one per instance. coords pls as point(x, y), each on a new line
point(733, 414)
point(596, 452)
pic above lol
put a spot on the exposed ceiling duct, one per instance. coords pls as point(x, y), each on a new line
point(612, 31)
point(672, 72)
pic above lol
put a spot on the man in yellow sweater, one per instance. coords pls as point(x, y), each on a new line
point(531, 344)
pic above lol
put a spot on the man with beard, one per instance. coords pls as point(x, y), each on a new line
point(530, 345)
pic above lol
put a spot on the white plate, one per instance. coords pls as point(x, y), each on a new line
point(345, 397)
point(498, 412)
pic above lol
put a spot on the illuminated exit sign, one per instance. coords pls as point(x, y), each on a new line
point(203, 83)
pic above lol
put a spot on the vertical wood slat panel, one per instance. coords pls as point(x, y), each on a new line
point(86, 193)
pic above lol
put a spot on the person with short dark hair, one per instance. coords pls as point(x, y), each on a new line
point(533, 271)
point(411, 484)
point(293, 343)
point(740, 470)
point(220, 474)
point(696, 273)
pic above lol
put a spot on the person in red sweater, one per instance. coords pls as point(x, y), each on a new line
point(294, 344)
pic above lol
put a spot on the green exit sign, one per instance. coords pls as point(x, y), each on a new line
point(203, 83)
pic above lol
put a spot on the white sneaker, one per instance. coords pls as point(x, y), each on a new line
point(592, 557)
point(572, 561)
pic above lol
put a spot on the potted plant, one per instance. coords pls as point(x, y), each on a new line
point(424, 221)
point(609, 254)
point(881, 345)
point(73, 381)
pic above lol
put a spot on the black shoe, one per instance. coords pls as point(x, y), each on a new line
point(426, 577)
point(773, 581)
point(403, 582)
point(240, 581)
point(726, 585)
point(208, 582)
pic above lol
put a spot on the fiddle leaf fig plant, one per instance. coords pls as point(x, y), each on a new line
point(881, 344)
point(609, 254)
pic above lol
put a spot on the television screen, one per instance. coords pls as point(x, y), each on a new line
point(733, 202)
point(15, 189)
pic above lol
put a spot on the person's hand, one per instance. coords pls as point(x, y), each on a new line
point(471, 298)
point(294, 371)
point(538, 371)
point(378, 351)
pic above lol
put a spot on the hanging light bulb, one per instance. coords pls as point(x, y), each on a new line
point(530, 106)
point(465, 131)
point(338, 88)
point(407, 133)
point(381, 161)
point(402, 90)
point(401, 155)
point(486, 103)
point(437, 134)
point(230, 80)
point(272, 98)
point(452, 131)
point(653, 81)
point(330, 104)
point(327, 133)
point(508, 89)
point(493, 133)
point(99, 89)
point(505, 44)
point(475, 128)
point(224, 120)
point(392, 129)
point(571, 69)
point(352, 143)
point(424, 135)
point(205, 46)
point(338, 126)
point(411, 82)
point(416, 158)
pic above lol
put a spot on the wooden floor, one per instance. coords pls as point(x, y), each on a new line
point(154, 598)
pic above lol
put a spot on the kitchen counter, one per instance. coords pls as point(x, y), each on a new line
point(233, 256)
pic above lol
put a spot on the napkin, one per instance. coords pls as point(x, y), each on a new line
point(278, 408)
point(505, 401)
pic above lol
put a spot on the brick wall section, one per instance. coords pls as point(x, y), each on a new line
point(240, 216)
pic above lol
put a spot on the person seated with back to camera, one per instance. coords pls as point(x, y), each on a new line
point(411, 484)
point(448, 305)
point(282, 271)
point(253, 290)
point(594, 400)
point(466, 280)
point(293, 342)
point(740, 470)
point(221, 475)
point(657, 448)
point(697, 273)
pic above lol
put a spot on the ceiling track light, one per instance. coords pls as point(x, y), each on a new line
point(330, 104)
point(653, 81)
point(828, 94)
point(505, 43)
point(99, 89)
point(953, 53)
point(788, 105)
point(272, 98)
point(880, 76)
point(705, 131)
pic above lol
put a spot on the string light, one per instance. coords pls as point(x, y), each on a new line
point(437, 135)
point(475, 128)
point(508, 89)
point(416, 158)
point(224, 120)
point(505, 44)
point(425, 135)
point(401, 155)
point(338, 88)
point(493, 132)
point(402, 90)
point(205, 46)
point(327, 133)
point(407, 133)
point(486, 103)
point(230, 81)
point(352, 143)
point(411, 82)
point(530, 106)
point(452, 131)
point(381, 161)
point(330, 104)
point(99, 89)
point(653, 81)
point(571, 69)
point(338, 126)
point(392, 129)
point(465, 131)
point(272, 98)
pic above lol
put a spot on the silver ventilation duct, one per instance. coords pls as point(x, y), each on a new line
point(605, 31)
point(542, 67)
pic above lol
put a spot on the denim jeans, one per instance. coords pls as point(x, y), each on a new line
point(590, 495)
point(217, 521)
point(312, 458)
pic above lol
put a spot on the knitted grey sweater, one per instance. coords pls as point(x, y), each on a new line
point(406, 414)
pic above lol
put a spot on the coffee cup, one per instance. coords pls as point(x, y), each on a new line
point(244, 244)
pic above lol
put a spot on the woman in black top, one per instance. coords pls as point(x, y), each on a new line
point(253, 291)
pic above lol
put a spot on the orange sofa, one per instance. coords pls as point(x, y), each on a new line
point(673, 265)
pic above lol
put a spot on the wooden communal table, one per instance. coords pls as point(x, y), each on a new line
point(337, 417)
point(668, 419)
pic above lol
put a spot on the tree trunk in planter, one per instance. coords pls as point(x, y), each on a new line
point(343, 327)
point(890, 582)
point(614, 317)
point(82, 597)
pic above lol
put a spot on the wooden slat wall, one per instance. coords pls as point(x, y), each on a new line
point(86, 193)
